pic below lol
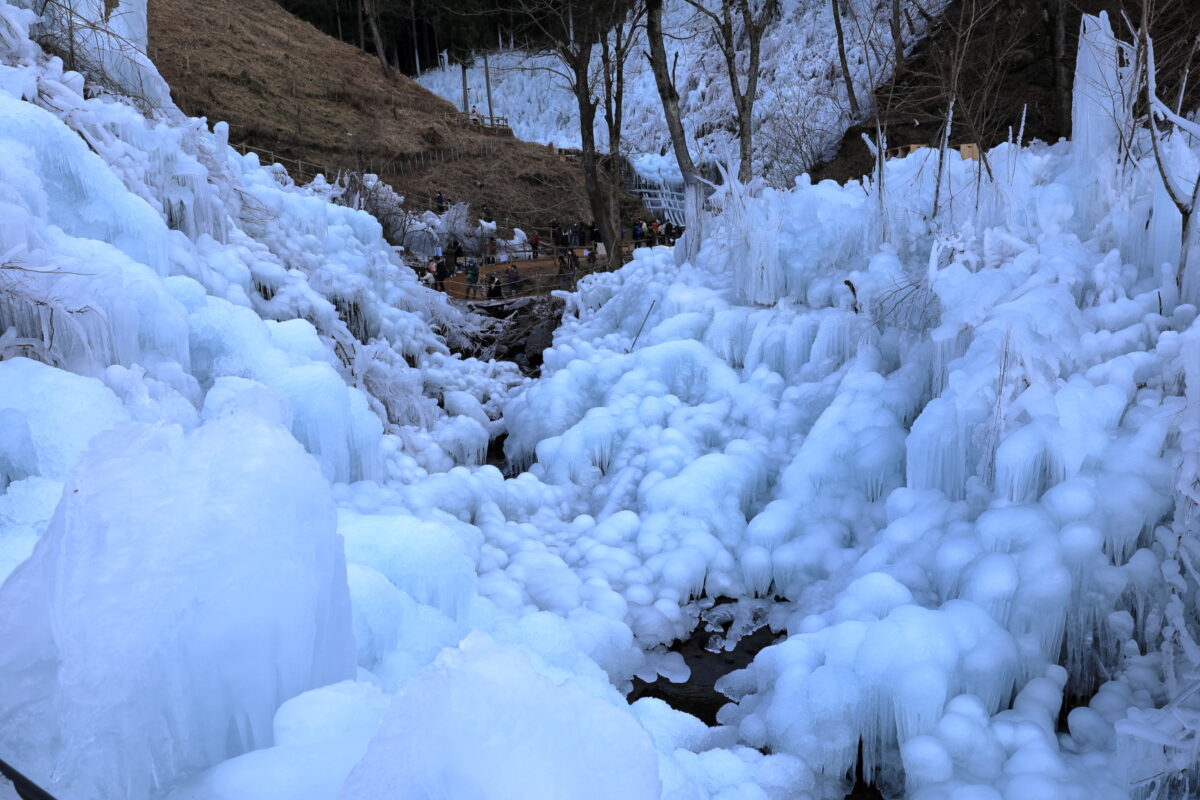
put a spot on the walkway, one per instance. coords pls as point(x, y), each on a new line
point(537, 276)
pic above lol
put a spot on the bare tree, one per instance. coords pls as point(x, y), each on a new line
point(615, 47)
point(1057, 12)
point(571, 30)
point(732, 23)
point(1186, 199)
point(370, 11)
point(897, 39)
point(693, 186)
point(835, 7)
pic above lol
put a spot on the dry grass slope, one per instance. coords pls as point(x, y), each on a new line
point(284, 86)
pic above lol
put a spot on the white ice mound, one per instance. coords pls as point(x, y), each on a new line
point(48, 416)
point(187, 585)
point(319, 737)
point(481, 724)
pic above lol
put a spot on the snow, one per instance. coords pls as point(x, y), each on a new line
point(249, 546)
point(575, 745)
point(801, 112)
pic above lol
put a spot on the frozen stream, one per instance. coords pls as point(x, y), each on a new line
point(249, 550)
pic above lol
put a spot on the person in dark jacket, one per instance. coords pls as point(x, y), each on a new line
point(441, 272)
point(472, 279)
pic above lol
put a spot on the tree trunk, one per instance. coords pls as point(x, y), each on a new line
point(613, 63)
point(693, 187)
point(754, 29)
point(1062, 81)
point(745, 141)
point(841, 45)
point(372, 14)
point(897, 38)
point(580, 64)
point(1189, 230)
point(666, 89)
point(362, 30)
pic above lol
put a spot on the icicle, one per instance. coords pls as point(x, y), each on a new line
point(1021, 465)
point(936, 453)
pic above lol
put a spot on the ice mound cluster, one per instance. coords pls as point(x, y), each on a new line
point(249, 549)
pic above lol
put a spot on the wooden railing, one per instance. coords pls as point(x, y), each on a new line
point(970, 150)
point(300, 170)
point(536, 277)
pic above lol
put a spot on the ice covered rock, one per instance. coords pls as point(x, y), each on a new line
point(50, 416)
point(187, 585)
point(481, 723)
point(319, 737)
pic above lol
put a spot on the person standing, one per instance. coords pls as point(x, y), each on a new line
point(472, 279)
point(534, 242)
point(441, 272)
point(513, 277)
point(572, 267)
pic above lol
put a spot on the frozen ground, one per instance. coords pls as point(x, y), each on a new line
point(248, 549)
point(802, 111)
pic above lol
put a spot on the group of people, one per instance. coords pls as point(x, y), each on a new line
point(566, 243)
point(568, 264)
point(438, 270)
point(576, 236)
point(654, 233)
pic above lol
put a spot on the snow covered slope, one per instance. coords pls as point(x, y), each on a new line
point(248, 551)
point(802, 109)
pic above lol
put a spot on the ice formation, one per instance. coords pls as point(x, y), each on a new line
point(248, 548)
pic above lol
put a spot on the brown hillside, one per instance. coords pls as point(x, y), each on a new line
point(286, 87)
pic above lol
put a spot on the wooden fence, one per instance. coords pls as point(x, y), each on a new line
point(303, 171)
point(969, 150)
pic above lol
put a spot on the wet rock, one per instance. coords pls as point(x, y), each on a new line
point(727, 637)
point(526, 328)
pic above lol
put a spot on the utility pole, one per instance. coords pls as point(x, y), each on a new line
point(415, 41)
point(487, 81)
point(466, 106)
